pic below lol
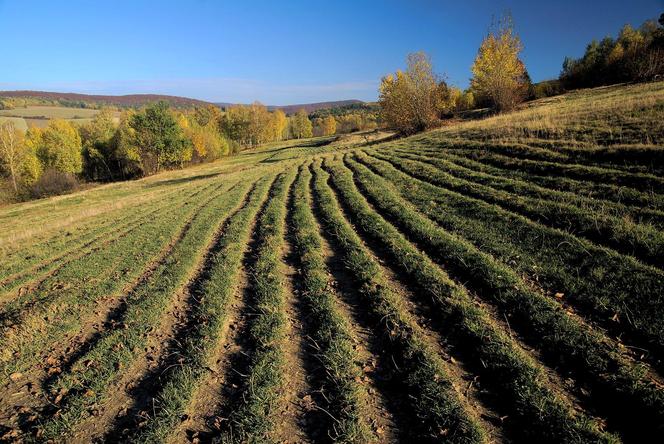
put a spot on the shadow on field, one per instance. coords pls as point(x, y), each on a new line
point(181, 180)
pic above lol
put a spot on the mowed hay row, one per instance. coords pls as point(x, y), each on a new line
point(520, 382)
point(37, 236)
point(255, 414)
point(475, 172)
point(437, 410)
point(210, 294)
point(642, 241)
point(345, 397)
point(61, 301)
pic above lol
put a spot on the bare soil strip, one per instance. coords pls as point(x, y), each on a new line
point(131, 405)
point(301, 415)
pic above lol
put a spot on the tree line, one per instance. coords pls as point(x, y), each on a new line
point(635, 55)
point(139, 142)
point(416, 98)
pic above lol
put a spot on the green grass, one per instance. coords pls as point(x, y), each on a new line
point(436, 405)
point(563, 341)
point(92, 377)
point(213, 293)
point(345, 397)
point(255, 418)
point(510, 371)
point(596, 280)
point(506, 273)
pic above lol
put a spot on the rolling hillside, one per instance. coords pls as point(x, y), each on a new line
point(498, 280)
point(130, 100)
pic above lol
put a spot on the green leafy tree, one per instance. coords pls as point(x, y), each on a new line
point(98, 140)
point(159, 138)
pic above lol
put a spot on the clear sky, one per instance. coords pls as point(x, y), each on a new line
point(279, 52)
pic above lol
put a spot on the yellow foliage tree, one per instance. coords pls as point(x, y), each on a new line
point(329, 126)
point(11, 150)
point(18, 154)
point(498, 73)
point(60, 147)
point(411, 100)
point(300, 125)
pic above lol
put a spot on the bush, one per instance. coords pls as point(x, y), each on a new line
point(54, 182)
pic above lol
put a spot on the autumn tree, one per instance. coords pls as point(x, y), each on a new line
point(11, 151)
point(277, 125)
point(300, 126)
point(498, 73)
point(206, 139)
point(209, 114)
point(411, 100)
point(59, 147)
point(329, 126)
point(97, 139)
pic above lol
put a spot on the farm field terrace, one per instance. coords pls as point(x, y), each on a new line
point(495, 280)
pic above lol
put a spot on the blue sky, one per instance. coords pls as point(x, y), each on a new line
point(279, 52)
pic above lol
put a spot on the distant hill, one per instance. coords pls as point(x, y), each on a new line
point(130, 100)
point(308, 107)
point(136, 100)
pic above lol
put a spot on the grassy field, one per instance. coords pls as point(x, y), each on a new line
point(39, 116)
point(495, 280)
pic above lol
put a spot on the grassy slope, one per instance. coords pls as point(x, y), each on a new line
point(524, 232)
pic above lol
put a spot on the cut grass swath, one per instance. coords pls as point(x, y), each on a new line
point(602, 283)
point(63, 302)
point(211, 294)
point(255, 418)
point(642, 241)
point(345, 396)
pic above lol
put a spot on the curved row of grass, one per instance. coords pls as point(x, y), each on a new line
point(601, 283)
point(92, 378)
point(345, 396)
point(432, 400)
point(255, 418)
point(593, 190)
point(209, 314)
point(26, 258)
point(534, 409)
point(62, 303)
point(638, 181)
point(641, 241)
point(630, 158)
point(632, 399)
point(50, 267)
point(567, 201)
